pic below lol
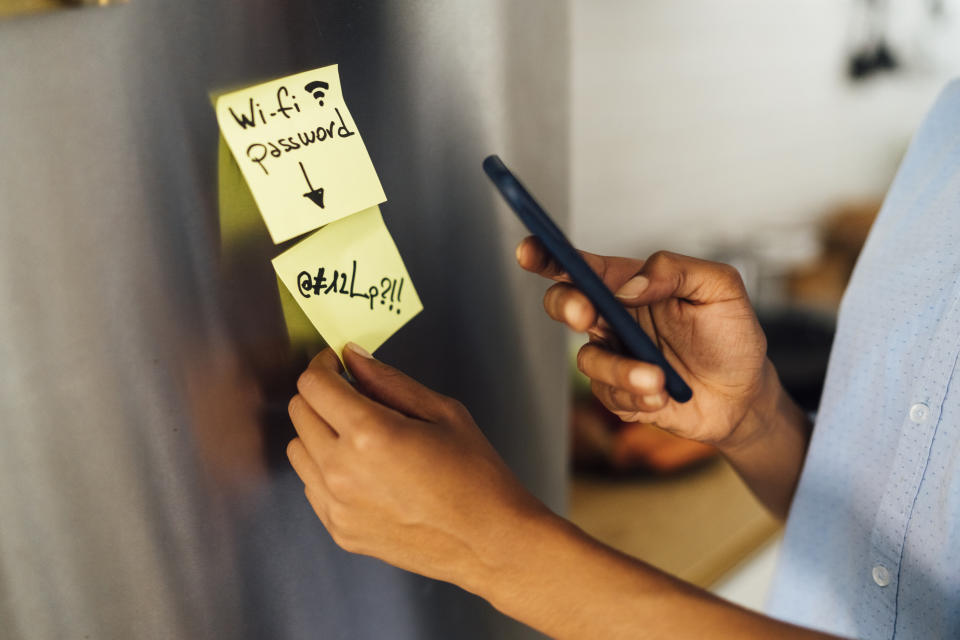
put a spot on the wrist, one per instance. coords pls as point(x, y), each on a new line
point(512, 553)
point(761, 416)
point(768, 447)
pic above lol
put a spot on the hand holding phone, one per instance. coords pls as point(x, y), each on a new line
point(631, 335)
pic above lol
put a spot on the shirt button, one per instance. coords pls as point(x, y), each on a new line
point(919, 412)
point(881, 576)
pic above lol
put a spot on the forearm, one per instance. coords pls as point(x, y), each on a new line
point(560, 581)
point(768, 448)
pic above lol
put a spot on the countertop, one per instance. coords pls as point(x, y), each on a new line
point(696, 525)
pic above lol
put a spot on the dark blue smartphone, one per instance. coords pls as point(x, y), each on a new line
point(637, 343)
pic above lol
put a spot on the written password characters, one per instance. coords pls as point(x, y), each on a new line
point(388, 292)
point(287, 108)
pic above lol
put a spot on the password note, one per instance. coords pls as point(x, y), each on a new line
point(300, 151)
point(350, 281)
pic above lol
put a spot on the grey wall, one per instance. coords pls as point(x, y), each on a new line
point(143, 384)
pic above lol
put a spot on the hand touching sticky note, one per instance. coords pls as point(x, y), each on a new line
point(350, 281)
point(300, 151)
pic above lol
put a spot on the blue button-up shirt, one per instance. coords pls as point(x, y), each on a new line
point(872, 547)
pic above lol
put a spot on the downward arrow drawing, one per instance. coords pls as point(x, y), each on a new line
point(314, 195)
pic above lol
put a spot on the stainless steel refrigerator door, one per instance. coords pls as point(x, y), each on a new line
point(143, 383)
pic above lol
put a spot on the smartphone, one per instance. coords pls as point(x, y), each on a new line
point(636, 342)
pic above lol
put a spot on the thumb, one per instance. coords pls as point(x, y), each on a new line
point(669, 275)
point(392, 387)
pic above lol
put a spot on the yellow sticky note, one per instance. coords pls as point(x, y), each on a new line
point(243, 238)
point(300, 151)
point(350, 280)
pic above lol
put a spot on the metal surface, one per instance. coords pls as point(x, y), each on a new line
point(143, 384)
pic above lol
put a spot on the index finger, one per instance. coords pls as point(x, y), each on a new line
point(614, 271)
point(333, 398)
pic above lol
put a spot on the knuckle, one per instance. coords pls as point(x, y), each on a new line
point(622, 399)
point(307, 380)
point(731, 274)
point(316, 503)
point(632, 402)
point(627, 416)
point(339, 484)
point(337, 515)
point(583, 357)
point(375, 424)
point(602, 393)
point(294, 449)
point(364, 418)
point(343, 541)
point(589, 360)
point(338, 527)
point(295, 406)
point(370, 438)
point(454, 409)
point(616, 400)
point(659, 259)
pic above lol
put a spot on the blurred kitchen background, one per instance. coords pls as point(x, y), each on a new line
point(763, 134)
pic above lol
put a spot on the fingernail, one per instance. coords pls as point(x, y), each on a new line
point(519, 251)
point(360, 351)
point(574, 311)
point(642, 378)
point(633, 287)
point(653, 401)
